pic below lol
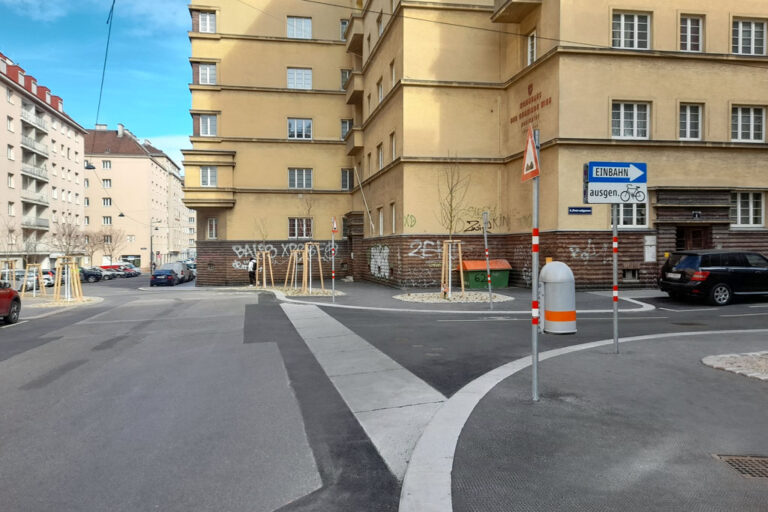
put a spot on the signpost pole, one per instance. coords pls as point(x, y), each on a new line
point(535, 281)
point(615, 219)
point(333, 261)
point(487, 260)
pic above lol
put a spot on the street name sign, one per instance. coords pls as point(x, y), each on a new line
point(615, 183)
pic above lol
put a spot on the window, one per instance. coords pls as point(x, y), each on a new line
point(207, 74)
point(299, 28)
point(690, 122)
point(300, 227)
point(380, 155)
point(631, 31)
point(106, 183)
point(381, 221)
point(392, 73)
point(10, 153)
point(208, 126)
point(379, 90)
point(747, 208)
point(392, 145)
point(11, 181)
point(690, 33)
point(106, 201)
point(748, 37)
point(345, 74)
point(9, 122)
point(346, 125)
point(299, 178)
point(343, 26)
point(191, 219)
point(53, 145)
point(346, 179)
point(130, 238)
point(379, 25)
point(106, 164)
point(208, 176)
point(394, 217)
point(299, 78)
point(86, 201)
point(9, 96)
point(208, 22)
point(633, 215)
point(299, 128)
point(213, 227)
point(11, 209)
point(77, 198)
point(53, 216)
point(106, 220)
point(747, 124)
point(86, 183)
point(107, 239)
point(54, 193)
point(629, 120)
point(531, 48)
point(87, 220)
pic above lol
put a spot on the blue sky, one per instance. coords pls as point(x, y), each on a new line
point(61, 44)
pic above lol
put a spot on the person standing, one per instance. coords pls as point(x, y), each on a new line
point(252, 271)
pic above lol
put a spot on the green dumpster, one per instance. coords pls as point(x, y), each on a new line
point(475, 276)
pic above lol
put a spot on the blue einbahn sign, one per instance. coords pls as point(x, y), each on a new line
point(617, 172)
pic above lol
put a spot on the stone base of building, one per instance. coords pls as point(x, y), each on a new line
point(416, 261)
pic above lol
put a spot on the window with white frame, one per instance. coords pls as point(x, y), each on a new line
point(299, 178)
point(629, 120)
point(9, 123)
point(393, 146)
point(381, 221)
point(208, 176)
point(87, 220)
point(86, 201)
point(346, 179)
point(86, 183)
point(207, 73)
point(299, 78)
point(212, 228)
point(207, 22)
point(690, 121)
point(130, 238)
point(345, 74)
point(380, 90)
point(394, 217)
point(106, 201)
point(747, 208)
point(380, 155)
point(107, 239)
point(106, 164)
point(106, 220)
point(299, 28)
point(346, 125)
point(54, 193)
point(691, 32)
point(11, 180)
point(299, 227)
point(9, 96)
point(343, 24)
point(531, 53)
point(299, 128)
point(11, 209)
point(631, 31)
point(379, 24)
point(10, 153)
point(633, 215)
point(392, 73)
point(747, 124)
point(748, 37)
point(208, 125)
point(106, 183)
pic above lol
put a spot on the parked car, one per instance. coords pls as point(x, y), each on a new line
point(164, 277)
point(10, 303)
point(181, 270)
point(30, 278)
point(132, 267)
point(115, 269)
point(89, 275)
point(193, 269)
point(714, 275)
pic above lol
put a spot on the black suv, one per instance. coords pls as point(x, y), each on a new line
point(714, 275)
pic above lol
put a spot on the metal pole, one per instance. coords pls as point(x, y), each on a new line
point(67, 294)
point(614, 219)
point(535, 282)
point(333, 266)
point(487, 260)
point(450, 264)
point(309, 253)
point(151, 251)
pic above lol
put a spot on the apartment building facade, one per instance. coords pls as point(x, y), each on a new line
point(373, 112)
point(133, 201)
point(41, 193)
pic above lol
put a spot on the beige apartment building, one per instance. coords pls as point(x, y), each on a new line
point(133, 201)
point(41, 193)
point(370, 112)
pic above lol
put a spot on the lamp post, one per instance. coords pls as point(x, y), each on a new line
point(151, 248)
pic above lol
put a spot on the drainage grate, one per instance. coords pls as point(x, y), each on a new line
point(747, 466)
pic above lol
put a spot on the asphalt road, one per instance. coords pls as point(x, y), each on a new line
point(190, 399)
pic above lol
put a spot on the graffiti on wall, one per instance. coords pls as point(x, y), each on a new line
point(280, 252)
point(409, 220)
point(473, 219)
point(591, 252)
point(379, 261)
point(425, 249)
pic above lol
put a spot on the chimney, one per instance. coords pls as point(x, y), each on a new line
point(120, 129)
point(101, 127)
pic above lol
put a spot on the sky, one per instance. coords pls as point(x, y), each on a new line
point(62, 42)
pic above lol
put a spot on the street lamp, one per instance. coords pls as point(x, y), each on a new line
point(151, 248)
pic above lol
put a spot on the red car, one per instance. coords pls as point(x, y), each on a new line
point(10, 303)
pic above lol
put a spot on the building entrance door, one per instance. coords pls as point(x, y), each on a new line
point(694, 237)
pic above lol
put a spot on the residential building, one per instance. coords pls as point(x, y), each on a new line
point(133, 201)
point(412, 95)
point(41, 192)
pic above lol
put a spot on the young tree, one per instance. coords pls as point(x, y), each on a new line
point(91, 244)
point(452, 188)
point(68, 239)
point(112, 242)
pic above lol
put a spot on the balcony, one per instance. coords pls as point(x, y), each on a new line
point(34, 120)
point(33, 145)
point(513, 11)
point(33, 171)
point(354, 88)
point(355, 34)
point(354, 140)
point(34, 197)
point(34, 223)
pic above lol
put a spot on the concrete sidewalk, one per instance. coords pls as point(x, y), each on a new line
point(637, 431)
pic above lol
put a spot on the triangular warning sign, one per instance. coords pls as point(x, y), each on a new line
point(531, 160)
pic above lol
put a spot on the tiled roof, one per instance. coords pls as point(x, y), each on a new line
point(99, 142)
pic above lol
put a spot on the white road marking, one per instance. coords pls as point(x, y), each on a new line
point(744, 314)
point(688, 309)
point(13, 325)
point(760, 306)
point(427, 483)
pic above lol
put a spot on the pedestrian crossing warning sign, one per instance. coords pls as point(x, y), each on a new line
point(531, 159)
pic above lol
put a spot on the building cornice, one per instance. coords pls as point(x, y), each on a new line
point(52, 111)
point(247, 88)
point(274, 39)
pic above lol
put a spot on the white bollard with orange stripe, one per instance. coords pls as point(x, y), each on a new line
point(558, 301)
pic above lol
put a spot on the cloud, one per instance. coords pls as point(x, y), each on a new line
point(40, 10)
